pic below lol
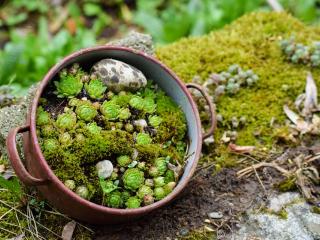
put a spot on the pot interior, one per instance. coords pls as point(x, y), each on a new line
point(159, 74)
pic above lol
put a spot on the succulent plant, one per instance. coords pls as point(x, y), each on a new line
point(48, 130)
point(144, 190)
point(73, 102)
point(133, 178)
point(110, 95)
point(86, 111)
point(82, 191)
point(50, 145)
point(107, 186)
point(169, 176)
point(159, 193)
point(153, 171)
point(159, 181)
point(123, 160)
point(155, 121)
point(149, 182)
point(124, 114)
point(148, 199)
point(114, 176)
point(114, 200)
point(137, 102)
point(65, 139)
point(119, 125)
point(66, 121)
point(161, 164)
point(125, 195)
point(149, 105)
point(133, 202)
point(104, 169)
point(143, 139)
point(141, 165)
point(80, 138)
point(93, 128)
point(110, 110)
point(168, 188)
point(95, 88)
point(70, 184)
point(43, 117)
point(128, 127)
point(68, 86)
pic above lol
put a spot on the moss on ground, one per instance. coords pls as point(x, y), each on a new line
point(253, 43)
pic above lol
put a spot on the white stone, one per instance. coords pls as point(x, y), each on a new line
point(104, 168)
point(119, 76)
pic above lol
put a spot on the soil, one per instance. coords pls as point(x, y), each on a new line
point(207, 192)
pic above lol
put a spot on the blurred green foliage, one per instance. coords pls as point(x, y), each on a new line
point(168, 21)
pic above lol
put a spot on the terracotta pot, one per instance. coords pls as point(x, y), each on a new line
point(38, 173)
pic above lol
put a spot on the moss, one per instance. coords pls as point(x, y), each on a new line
point(252, 42)
point(315, 209)
point(288, 184)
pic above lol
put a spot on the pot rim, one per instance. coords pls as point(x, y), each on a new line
point(53, 178)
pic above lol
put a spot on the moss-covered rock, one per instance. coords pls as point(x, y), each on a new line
point(253, 43)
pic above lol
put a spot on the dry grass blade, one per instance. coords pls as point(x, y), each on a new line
point(311, 99)
point(249, 170)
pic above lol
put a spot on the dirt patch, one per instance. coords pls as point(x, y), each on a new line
point(206, 193)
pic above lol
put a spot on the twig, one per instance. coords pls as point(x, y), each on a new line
point(248, 170)
point(275, 5)
point(258, 177)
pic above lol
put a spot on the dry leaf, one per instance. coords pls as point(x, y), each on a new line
point(68, 230)
point(311, 100)
point(240, 149)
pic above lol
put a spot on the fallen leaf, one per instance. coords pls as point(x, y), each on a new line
point(68, 230)
point(8, 173)
point(301, 125)
point(311, 99)
point(240, 149)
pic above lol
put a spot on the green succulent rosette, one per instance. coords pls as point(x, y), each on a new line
point(50, 144)
point(48, 130)
point(93, 128)
point(169, 176)
point(124, 114)
point(144, 190)
point(161, 165)
point(68, 86)
point(114, 200)
point(159, 193)
point(159, 181)
point(66, 121)
point(137, 102)
point(143, 139)
point(95, 88)
point(86, 111)
point(65, 139)
point(133, 178)
point(133, 202)
point(155, 121)
point(110, 110)
point(43, 117)
point(123, 160)
point(149, 105)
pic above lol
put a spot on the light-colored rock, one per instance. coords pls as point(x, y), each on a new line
point(119, 76)
point(104, 169)
point(301, 223)
point(140, 124)
point(137, 41)
point(215, 215)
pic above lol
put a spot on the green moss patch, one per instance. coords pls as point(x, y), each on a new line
point(253, 43)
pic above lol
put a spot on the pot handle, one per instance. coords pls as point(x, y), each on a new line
point(212, 109)
point(16, 162)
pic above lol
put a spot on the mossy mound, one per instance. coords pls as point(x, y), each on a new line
point(253, 43)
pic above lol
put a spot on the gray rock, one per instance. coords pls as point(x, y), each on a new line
point(301, 223)
point(14, 116)
point(119, 76)
point(138, 41)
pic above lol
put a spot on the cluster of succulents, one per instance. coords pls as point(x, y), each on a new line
point(300, 53)
point(122, 150)
point(230, 81)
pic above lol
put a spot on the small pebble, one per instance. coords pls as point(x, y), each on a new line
point(215, 215)
point(104, 168)
point(184, 232)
